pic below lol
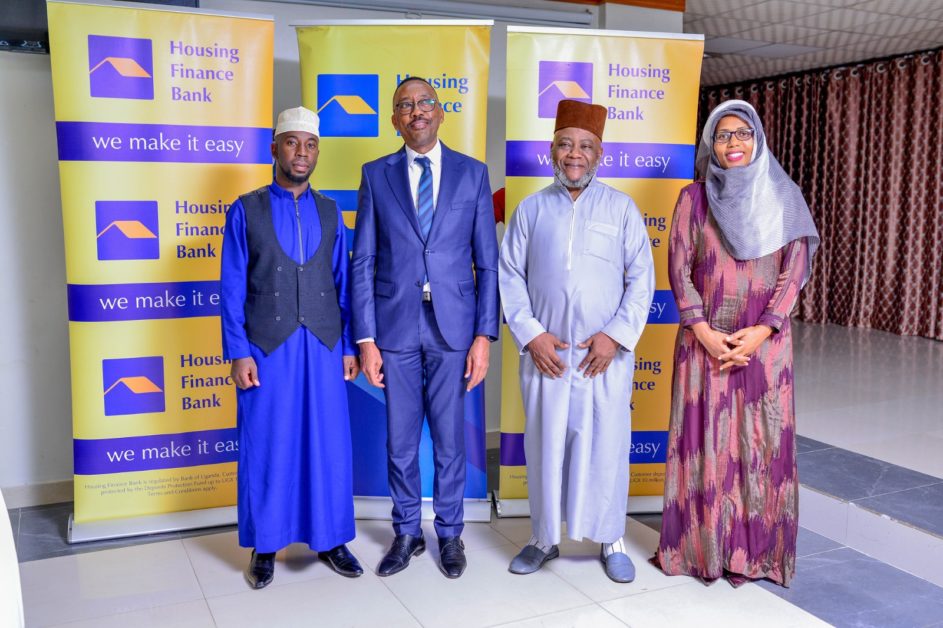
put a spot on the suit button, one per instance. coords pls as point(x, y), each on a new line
point(322, 294)
point(278, 318)
point(276, 294)
point(427, 252)
point(301, 269)
point(278, 268)
point(418, 284)
point(301, 319)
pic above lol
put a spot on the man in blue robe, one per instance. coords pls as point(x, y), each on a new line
point(285, 312)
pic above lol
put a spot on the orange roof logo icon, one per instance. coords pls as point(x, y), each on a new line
point(133, 385)
point(139, 385)
point(569, 89)
point(128, 68)
point(562, 80)
point(120, 67)
point(352, 105)
point(132, 229)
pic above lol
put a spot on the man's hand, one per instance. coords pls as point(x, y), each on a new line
point(351, 368)
point(476, 364)
point(602, 349)
point(245, 373)
point(744, 343)
point(370, 363)
point(543, 351)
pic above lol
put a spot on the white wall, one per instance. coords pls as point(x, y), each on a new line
point(35, 420)
point(35, 412)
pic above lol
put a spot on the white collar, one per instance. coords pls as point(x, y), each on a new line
point(434, 155)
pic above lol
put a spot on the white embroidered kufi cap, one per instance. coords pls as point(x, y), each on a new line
point(297, 119)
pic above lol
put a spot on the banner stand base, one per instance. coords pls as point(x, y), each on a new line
point(638, 505)
point(150, 524)
point(645, 504)
point(476, 510)
point(510, 507)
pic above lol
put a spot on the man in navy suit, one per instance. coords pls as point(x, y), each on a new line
point(425, 310)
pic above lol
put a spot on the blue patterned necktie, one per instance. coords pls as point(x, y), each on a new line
point(424, 203)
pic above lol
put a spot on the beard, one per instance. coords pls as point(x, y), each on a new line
point(578, 184)
point(295, 178)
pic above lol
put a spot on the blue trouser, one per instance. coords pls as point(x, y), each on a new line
point(428, 380)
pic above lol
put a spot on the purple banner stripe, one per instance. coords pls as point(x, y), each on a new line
point(620, 160)
point(512, 450)
point(664, 310)
point(159, 451)
point(121, 141)
point(142, 301)
point(647, 448)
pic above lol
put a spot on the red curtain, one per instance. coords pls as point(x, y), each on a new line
point(865, 144)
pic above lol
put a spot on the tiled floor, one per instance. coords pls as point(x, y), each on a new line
point(888, 406)
point(882, 487)
point(871, 392)
point(196, 580)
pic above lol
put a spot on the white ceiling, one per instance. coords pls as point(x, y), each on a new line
point(746, 39)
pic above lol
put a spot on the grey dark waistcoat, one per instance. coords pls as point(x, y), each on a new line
point(280, 293)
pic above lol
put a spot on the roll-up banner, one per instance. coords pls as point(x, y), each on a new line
point(163, 116)
point(649, 83)
point(349, 71)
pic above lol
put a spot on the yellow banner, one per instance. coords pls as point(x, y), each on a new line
point(163, 117)
point(349, 73)
point(649, 84)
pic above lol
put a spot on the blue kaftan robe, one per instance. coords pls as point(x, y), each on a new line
point(295, 469)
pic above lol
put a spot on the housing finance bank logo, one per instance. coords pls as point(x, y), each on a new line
point(559, 80)
point(133, 385)
point(127, 230)
point(120, 67)
point(348, 105)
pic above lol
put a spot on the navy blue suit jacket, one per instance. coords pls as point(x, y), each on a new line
point(390, 258)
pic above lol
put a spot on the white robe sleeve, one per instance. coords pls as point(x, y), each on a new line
point(629, 320)
point(512, 281)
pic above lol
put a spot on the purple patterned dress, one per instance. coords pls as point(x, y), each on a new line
point(731, 489)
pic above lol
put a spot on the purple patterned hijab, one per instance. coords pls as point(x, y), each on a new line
point(758, 208)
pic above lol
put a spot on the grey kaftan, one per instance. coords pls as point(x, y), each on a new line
point(574, 269)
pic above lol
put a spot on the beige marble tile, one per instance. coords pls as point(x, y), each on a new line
point(187, 615)
point(485, 595)
point(98, 584)
point(220, 564)
point(695, 604)
point(593, 616)
point(323, 602)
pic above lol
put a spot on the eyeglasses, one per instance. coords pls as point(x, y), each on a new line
point(744, 134)
point(407, 106)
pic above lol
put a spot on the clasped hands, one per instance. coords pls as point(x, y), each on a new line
point(543, 351)
point(731, 349)
point(245, 372)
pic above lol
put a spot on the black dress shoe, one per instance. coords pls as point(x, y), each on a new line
point(452, 555)
point(404, 547)
point(342, 561)
point(261, 570)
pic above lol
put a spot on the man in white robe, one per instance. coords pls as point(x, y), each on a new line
point(577, 280)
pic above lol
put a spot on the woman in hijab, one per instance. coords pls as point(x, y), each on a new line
point(741, 246)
